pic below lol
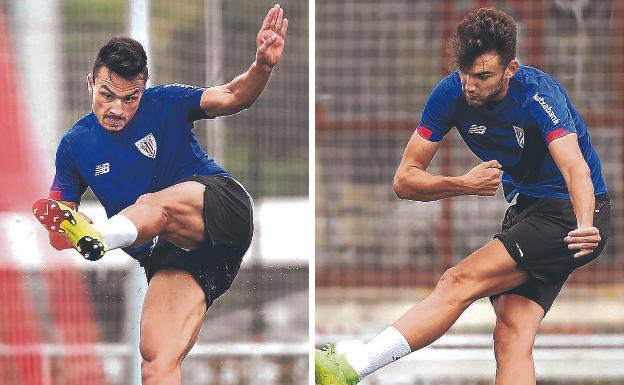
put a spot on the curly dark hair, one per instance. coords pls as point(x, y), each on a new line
point(123, 56)
point(480, 31)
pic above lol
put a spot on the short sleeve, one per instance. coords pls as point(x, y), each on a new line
point(68, 185)
point(436, 119)
point(184, 100)
point(549, 108)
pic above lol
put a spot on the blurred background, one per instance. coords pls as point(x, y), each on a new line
point(65, 321)
point(376, 256)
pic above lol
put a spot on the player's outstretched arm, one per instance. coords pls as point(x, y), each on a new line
point(413, 182)
point(244, 89)
point(567, 155)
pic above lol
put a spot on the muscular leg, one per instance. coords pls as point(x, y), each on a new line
point(175, 213)
point(173, 311)
point(517, 321)
point(487, 271)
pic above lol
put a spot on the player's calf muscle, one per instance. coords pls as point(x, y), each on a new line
point(149, 218)
point(181, 207)
point(164, 213)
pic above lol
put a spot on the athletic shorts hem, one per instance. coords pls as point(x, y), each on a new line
point(214, 269)
point(511, 249)
point(228, 219)
point(533, 232)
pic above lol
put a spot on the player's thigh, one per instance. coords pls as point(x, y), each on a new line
point(172, 314)
point(517, 320)
point(541, 292)
point(490, 270)
point(518, 312)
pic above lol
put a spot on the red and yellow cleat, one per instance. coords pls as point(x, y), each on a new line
point(59, 218)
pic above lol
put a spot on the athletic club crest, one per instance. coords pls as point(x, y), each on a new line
point(519, 135)
point(147, 145)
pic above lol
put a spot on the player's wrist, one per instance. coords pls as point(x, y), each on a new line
point(463, 185)
point(261, 67)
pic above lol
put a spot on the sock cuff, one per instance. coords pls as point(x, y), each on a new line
point(123, 221)
point(386, 347)
point(394, 333)
point(118, 231)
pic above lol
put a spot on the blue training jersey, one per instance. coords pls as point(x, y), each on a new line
point(154, 150)
point(515, 132)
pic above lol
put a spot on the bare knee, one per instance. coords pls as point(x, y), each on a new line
point(150, 199)
point(152, 202)
point(513, 339)
point(156, 363)
point(457, 286)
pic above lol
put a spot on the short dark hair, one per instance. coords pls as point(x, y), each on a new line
point(123, 56)
point(480, 31)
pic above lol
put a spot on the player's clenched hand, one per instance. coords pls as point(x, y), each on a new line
point(584, 239)
point(483, 179)
point(271, 38)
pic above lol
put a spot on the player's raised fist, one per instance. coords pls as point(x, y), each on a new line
point(271, 37)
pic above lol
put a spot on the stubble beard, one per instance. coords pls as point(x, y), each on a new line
point(492, 95)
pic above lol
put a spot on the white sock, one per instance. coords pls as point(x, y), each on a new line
point(388, 346)
point(118, 231)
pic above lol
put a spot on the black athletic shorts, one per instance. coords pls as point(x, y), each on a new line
point(533, 233)
point(228, 216)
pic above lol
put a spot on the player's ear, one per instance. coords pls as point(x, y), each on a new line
point(512, 68)
point(90, 83)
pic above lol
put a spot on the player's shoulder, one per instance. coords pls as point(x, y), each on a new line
point(530, 85)
point(544, 99)
point(450, 85)
point(448, 89)
point(82, 127)
point(169, 90)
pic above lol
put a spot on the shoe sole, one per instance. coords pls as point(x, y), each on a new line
point(59, 218)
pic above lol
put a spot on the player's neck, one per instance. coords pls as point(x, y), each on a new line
point(492, 104)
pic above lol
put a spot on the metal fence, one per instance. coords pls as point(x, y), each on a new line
point(371, 85)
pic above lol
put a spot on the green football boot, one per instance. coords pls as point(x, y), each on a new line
point(333, 369)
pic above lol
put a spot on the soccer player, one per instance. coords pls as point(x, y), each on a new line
point(521, 123)
point(137, 152)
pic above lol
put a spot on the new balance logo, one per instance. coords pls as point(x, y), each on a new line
point(147, 145)
point(474, 129)
point(102, 169)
